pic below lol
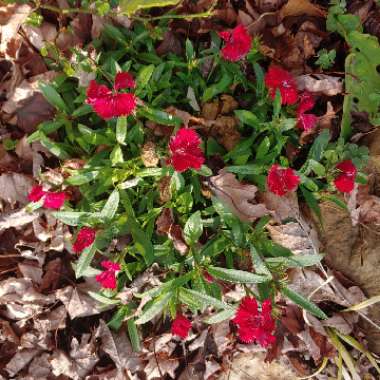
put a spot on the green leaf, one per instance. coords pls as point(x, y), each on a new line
point(118, 318)
point(52, 96)
point(71, 218)
point(159, 116)
point(110, 208)
point(220, 317)
point(303, 302)
point(248, 169)
point(53, 147)
point(116, 155)
point(133, 335)
point(84, 261)
point(143, 77)
point(263, 148)
point(154, 308)
point(121, 129)
point(296, 261)
point(217, 88)
point(259, 264)
point(132, 6)
point(82, 178)
point(319, 146)
point(84, 109)
point(236, 276)
point(193, 228)
point(103, 299)
point(247, 117)
point(312, 202)
point(205, 299)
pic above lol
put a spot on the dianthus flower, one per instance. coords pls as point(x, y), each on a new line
point(345, 181)
point(53, 200)
point(185, 150)
point(237, 43)
point(85, 238)
point(278, 78)
point(306, 121)
point(254, 326)
point(108, 277)
point(282, 180)
point(107, 103)
point(181, 326)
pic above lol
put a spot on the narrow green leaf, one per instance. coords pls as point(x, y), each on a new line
point(118, 318)
point(206, 299)
point(143, 77)
point(220, 317)
point(259, 264)
point(236, 276)
point(52, 96)
point(248, 169)
point(110, 208)
point(193, 228)
point(133, 335)
point(103, 299)
point(71, 218)
point(298, 261)
point(132, 6)
point(306, 304)
point(116, 155)
point(82, 178)
point(154, 309)
point(159, 116)
point(217, 88)
point(121, 130)
point(84, 261)
point(53, 147)
point(247, 117)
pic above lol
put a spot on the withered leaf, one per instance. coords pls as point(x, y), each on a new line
point(320, 84)
point(238, 197)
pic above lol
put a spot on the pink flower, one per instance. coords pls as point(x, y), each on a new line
point(185, 150)
point(85, 238)
point(107, 103)
point(345, 181)
point(255, 326)
point(238, 43)
point(108, 277)
point(306, 121)
point(36, 193)
point(278, 78)
point(53, 200)
point(282, 180)
point(181, 326)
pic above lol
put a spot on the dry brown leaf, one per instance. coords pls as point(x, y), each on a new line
point(15, 188)
point(17, 219)
point(38, 36)
point(301, 7)
point(32, 272)
point(238, 197)
point(320, 84)
point(224, 129)
point(164, 189)
point(40, 367)
point(170, 44)
point(210, 110)
point(20, 360)
point(149, 155)
point(229, 104)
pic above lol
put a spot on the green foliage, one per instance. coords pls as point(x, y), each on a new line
point(326, 58)
point(131, 6)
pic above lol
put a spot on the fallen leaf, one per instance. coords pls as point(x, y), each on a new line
point(149, 155)
point(20, 360)
point(170, 44)
point(238, 197)
point(40, 367)
point(320, 84)
point(15, 188)
point(301, 7)
point(17, 219)
point(39, 36)
point(32, 272)
point(224, 129)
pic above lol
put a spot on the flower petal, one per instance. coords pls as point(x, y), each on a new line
point(124, 80)
point(282, 180)
point(238, 44)
point(54, 200)
point(278, 78)
point(85, 238)
point(181, 326)
point(36, 193)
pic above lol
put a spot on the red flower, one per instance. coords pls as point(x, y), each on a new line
point(345, 181)
point(51, 199)
point(108, 278)
point(238, 44)
point(278, 78)
point(85, 238)
point(282, 180)
point(185, 150)
point(255, 326)
point(306, 121)
point(181, 326)
point(36, 193)
point(207, 276)
point(54, 200)
point(108, 104)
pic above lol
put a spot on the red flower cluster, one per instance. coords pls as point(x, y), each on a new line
point(238, 43)
point(107, 103)
point(306, 121)
point(181, 326)
point(185, 150)
point(282, 180)
point(278, 78)
point(255, 326)
point(108, 278)
point(85, 238)
point(53, 200)
point(345, 182)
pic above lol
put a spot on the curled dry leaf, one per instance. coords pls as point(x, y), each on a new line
point(21, 360)
point(166, 226)
point(238, 197)
point(15, 188)
point(320, 84)
point(301, 7)
point(17, 219)
point(38, 36)
point(149, 155)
